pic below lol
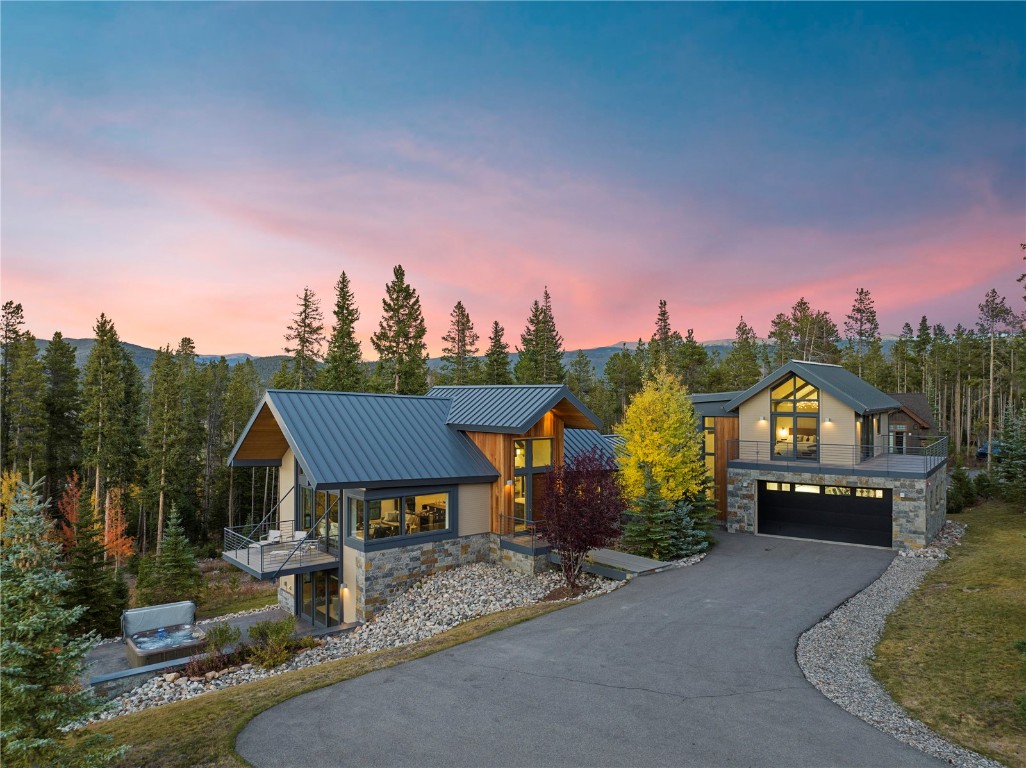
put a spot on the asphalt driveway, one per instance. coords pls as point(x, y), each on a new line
point(688, 667)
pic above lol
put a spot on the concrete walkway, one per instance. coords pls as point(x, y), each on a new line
point(626, 562)
point(692, 666)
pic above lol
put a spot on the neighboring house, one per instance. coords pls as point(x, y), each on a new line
point(808, 452)
point(377, 492)
point(912, 424)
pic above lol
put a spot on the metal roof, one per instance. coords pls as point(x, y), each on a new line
point(512, 409)
point(577, 442)
point(352, 440)
point(713, 404)
point(916, 405)
point(863, 397)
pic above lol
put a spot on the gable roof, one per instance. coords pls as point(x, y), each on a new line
point(512, 409)
point(355, 440)
point(861, 396)
point(916, 405)
point(713, 404)
point(577, 442)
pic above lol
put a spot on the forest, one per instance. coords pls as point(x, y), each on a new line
point(138, 448)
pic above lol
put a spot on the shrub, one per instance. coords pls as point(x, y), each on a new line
point(961, 493)
point(272, 641)
point(982, 486)
point(220, 636)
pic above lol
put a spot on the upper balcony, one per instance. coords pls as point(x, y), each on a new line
point(270, 550)
point(858, 460)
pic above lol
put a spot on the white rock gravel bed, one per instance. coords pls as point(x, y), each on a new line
point(834, 654)
point(428, 608)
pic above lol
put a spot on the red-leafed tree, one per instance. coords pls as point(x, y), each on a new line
point(582, 504)
point(116, 543)
point(67, 509)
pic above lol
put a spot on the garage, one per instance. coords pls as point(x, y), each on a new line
point(825, 512)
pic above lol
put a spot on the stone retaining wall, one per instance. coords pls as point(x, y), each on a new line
point(382, 575)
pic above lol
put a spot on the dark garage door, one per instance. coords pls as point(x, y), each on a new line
point(860, 516)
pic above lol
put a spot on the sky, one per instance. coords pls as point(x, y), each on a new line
point(188, 168)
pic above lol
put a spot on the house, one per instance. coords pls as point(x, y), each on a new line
point(376, 492)
point(912, 424)
point(810, 452)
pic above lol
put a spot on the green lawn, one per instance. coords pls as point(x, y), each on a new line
point(947, 654)
point(202, 731)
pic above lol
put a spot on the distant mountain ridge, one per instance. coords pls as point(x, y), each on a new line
point(266, 366)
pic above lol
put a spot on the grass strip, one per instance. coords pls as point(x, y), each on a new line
point(201, 731)
point(220, 607)
point(947, 653)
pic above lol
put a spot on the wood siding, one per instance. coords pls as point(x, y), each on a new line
point(726, 430)
point(498, 449)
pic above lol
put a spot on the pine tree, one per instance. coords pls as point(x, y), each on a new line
point(111, 412)
point(12, 318)
point(343, 364)
point(91, 580)
point(1011, 471)
point(62, 402)
point(189, 451)
point(399, 341)
point(741, 367)
point(689, 538)
point(26, 413)
point(995, 316)
point(496, 362)
point(306, 332)
point(164, 434)
point(664, 348)
point(623, 374)
point(861, 330)
point(540, 358)
point(459, 355)
point(42, 661)
point(173, 574)
point(240, 400)
point(581, 378)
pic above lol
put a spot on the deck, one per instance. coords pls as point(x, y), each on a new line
point(842, 459)
point(264, 561)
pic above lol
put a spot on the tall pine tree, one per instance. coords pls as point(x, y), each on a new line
point(25, 414)
point(12, 318)
point(459, 355)
point(861, 331)
point(343, 364)
point(496, 362)
point(741, 367)
point(92, 582)
point(399, 341)
point(62, 401)
point(304, 340)
point(41, 658)
point(540, 358)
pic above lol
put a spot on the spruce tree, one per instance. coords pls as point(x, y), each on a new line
point(188, 455)
point(41, 658)
point(62, 402)
point(306, 334)
point(399, 341)
point(164, 434)
point(496, 362)
point(623, 374)
point(741, 365)
point(91, 580)
point(173, 574)
point(343, 364)
point(664, 348)
point(459, 355)
point(540, 358)
point(650, 528)
point(689, 538)
point(995, 315)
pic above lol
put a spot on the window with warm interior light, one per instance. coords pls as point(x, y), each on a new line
point(795, 416)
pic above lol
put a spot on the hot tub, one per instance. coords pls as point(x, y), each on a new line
point(164, 644)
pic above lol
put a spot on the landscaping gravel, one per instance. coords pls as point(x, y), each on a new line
point(428, 608)
point(834, 654)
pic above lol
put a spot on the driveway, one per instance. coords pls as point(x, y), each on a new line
point(687, 667)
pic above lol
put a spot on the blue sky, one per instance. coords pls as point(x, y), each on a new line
point(188, 168)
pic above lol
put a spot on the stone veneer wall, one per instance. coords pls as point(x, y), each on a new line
point(919, 504)
point(286, 600)
point(382, 575)
point(529, 565)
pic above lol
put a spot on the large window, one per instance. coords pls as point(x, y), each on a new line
point(392, 516)
point(795, 406)
point(532, 460)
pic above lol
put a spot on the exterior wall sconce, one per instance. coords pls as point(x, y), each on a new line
point(829, 420)
point(762, 418)
point(509, 483)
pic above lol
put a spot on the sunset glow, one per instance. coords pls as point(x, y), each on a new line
point(188, 168)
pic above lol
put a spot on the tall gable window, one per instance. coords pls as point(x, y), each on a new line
point(795, 406)
point(532, 461)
